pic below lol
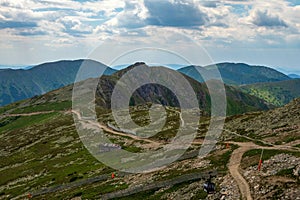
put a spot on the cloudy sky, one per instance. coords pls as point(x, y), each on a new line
point(262, 32)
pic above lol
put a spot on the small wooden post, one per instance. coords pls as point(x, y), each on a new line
point(260, 160)
point(227, 145)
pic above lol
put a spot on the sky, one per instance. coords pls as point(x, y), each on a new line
point(258, 32)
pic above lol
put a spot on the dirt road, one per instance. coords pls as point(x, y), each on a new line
point(109, 130)
point(234, 165)
point(26, 114)
point(236, 158)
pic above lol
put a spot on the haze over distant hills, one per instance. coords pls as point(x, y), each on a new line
point(15, 67)
point(294, 76)
point(172, 66)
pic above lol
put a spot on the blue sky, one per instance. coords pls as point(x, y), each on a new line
point(261, 32)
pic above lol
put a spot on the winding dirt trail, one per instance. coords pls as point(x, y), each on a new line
point(27, 114)
point(109, 130)
point(236, 158)
point(234, 165)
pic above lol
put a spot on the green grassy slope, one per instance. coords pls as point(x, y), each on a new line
point(277, 93)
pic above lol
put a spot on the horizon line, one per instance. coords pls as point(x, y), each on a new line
point(181, 65)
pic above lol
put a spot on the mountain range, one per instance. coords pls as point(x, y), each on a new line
point(238, 102)
point(259, 81)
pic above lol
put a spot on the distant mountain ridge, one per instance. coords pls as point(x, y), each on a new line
point(16, 67)
point(294, 76)
point(237, 73)
point(19, 84)
point(238, 102)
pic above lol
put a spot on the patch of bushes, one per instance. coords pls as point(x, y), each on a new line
point(132, 149)
point(286, 172)
point(7, 120)
point(220, 161)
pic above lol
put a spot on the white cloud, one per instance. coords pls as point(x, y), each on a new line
point(133, 16)
point(175, 13)
point(214, 23)
point(108, 7)
point(266, 18)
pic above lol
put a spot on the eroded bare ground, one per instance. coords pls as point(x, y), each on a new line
point(236, 158)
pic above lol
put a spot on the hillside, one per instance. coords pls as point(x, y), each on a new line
point(237, 101)
point(275, 93)
point(239, 73)
point(21, 84)
point(280, 125)
point(42, 156)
